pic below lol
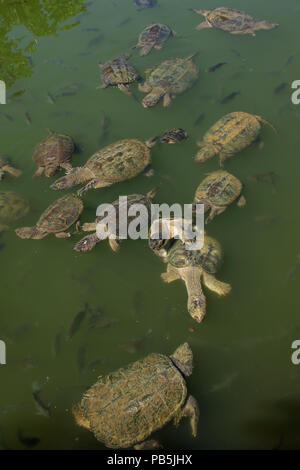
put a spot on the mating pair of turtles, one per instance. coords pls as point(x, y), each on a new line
point(234, 21)
point(124, 408)
point(193, 266)
point(170, 78)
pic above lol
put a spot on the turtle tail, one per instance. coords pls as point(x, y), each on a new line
point(31, 232)
point(264, 121)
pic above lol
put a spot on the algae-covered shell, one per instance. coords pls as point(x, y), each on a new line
point(127, 406)
point(174, 75)
point(120, 161)
point(220, 188)
point(154, 35)
point(209, 257)
point(118, 71)
point(56, 150)
point(12, 207)
point(61, 214)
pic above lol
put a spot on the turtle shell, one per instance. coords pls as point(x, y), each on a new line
point(174, 75)
point(55, 149)
point(209, 257)
point(120, 161)
point(234, 132)
point(127, 406)
point(118, 71)
point(124, 206)
point(61, 214)
point(174, 136)
point(12, 207)
point(154, 33)
point(220, 188)
point(229, 19)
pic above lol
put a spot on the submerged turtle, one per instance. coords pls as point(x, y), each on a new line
point(118, 72)
point(116, 162)
point(234, 21)
point(170, 78)
point(12, 207)
point(217, 191)
point(146, 3)
point(125, 407)
point(193, 267)
point(231, 134)
point(53, 152)
point(6, 167)
point(174, 136)
point(154, 35)
point(56, 219)
point(110, 229)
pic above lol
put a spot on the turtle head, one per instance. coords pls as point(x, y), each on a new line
point(183, 359)
point(153, 97)
point(206, 152)
point(79, 417)
point(197, 307)
point(73, 177)
point(86, 244)
point(31, 232)
point(265, 25)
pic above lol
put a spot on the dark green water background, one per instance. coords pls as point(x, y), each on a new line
point(246, 385)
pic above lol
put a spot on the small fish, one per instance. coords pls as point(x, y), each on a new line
point(199, 119)
point(265, 219)
point(81, 358)
point(7, 117)
point(30, 61)
point(126, 21)
point(28, 119)
point(27, 441)
point(216, 67)
point(229, 97)
point(268, 177)
point(50, 98)
point(132, 345)
point(42, 409)
point(225, 383)
point(95, 41)
point(279, 88)
point(77, 321)
point(57, 344)
point(288, 61)
point(16, 94)
point(236, 53)
point(104, 127)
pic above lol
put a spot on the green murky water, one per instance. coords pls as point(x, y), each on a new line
point(246, 385)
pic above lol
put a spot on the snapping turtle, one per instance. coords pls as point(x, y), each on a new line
point(154, 35)
point(217, 191)
point(234, 21)
point(193, 267)
point(6, 167)
point(228, 136)
point(56, 219)
point(12, 207)
point(170, 78)
point(53, 152)
point(146, 3)
point(174, 136)
point(116, 162)
point(125, 407)
point(118, 72)
point(121, 209)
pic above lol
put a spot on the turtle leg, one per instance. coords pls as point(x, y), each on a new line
point(125, 89)
point(93, 184)
point(223, 157)
point(158, 47)
point(100, 87)
point(241, 202)
point(39, 172)
point(167, 100)
point(191, 411)
point(203, 25)
point(245, 31)
point(114, 244)
point(151, 444)
point(144, 87)
point(89, 227)
point(63, 235)
point(2, 174)
point(215, 211)
point(66, 166)
point(146, 49)
point(12, 171)
point(220, 288)
point(171, 275)
point(50, 171)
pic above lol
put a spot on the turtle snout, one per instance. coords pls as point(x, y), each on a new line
point(197, 308)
